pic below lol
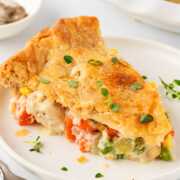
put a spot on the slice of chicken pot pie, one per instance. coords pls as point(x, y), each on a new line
point(67, 80)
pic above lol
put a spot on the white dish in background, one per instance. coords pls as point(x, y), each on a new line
point(151, 59)
point(160, 13)
point(32, 7)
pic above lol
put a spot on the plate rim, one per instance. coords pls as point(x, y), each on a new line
point(40, 171)
point(149, 18)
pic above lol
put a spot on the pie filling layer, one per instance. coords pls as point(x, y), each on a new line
point(90, 135)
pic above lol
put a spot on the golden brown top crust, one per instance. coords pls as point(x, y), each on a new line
point(78, 32)
point(43, 57)
point(67, 33)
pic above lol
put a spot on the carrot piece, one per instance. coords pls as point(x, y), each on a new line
point(68, 129)
point(172, 133)
point(86, 126)
point(112, 132)
point(26, 119)
point(83, 145)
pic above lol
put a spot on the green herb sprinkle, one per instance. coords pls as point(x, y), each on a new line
point(95, 62)
point(73, 84)
point(68, 59)
point(115, 107)
point(43, 80)
point(146, 118)
point(104, 92)
point(99, 175)
point(114, 60)
point(64, 168)
point(136, 86)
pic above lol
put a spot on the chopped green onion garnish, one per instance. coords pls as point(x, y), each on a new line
point(73, 84)
point(99, 83)
point(136, 86)
point(64, 168)
point(114, 60)
point(68, 59)
point(144, 77)
point(115, 107)
point(95, 62)
point(104, 92)
point(37, 145)
point(44, 81)
point(99, 175)
point(146, 118)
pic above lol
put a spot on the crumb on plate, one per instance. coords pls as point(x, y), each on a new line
point(22, 132)
point(82, 160)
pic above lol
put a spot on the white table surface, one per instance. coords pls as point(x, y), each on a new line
point(113, 23)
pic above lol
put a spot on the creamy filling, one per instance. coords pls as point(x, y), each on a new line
point(41, 109)
point(91, 136)
point(110, 144)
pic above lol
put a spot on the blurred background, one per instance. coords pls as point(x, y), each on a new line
point(117, 17)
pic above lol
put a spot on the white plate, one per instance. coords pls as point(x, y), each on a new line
point(151, 59)
point(160, 13)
